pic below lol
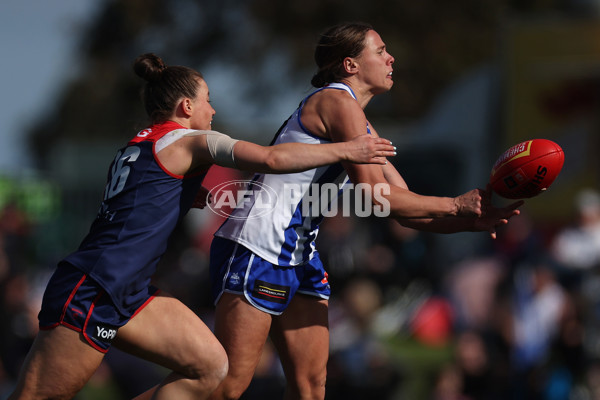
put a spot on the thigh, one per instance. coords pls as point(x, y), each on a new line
point(168, 333)
point(301, 336)
point(243, 331)
point(58, 365)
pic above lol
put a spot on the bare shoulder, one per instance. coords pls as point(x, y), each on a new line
point(332, 99)
point(331, 111)
point(186, 155)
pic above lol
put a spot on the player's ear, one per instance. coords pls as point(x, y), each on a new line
point(350, 65)
point(186, 106)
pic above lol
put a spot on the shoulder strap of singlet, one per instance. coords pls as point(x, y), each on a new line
point(343, 86)
point(335, 85)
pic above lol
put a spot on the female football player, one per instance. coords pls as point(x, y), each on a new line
point(274, 283)
point(100, 295)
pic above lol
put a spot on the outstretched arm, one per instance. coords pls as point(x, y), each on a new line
point(296, 157)
point(345, 121)
point(490, 220)
point(201, 149)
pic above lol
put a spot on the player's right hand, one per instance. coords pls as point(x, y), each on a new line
point(469, 204)
point(365, 149)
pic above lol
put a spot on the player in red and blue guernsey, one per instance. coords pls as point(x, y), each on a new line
point(101, 295)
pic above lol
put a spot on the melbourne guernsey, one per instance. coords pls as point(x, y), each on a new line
point(142, 204)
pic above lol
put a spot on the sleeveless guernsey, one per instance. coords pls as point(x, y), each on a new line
point(141, 207)
point(286, 235)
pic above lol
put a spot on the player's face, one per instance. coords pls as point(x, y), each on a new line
point(376, 64)
point(203, 111)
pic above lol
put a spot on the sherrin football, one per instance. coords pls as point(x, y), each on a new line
point(527, 169)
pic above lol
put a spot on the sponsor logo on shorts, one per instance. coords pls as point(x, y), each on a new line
point(271, 292)
point(105, 333)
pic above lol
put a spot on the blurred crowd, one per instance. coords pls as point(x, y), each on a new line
point(518, 320)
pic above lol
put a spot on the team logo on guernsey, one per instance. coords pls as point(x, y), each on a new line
point(271, 292)
point(231, 195)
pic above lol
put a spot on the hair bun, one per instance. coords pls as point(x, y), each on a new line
point(318, 80)
point(149, 66)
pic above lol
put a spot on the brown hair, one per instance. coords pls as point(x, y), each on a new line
point(165, 85)
point(337, 43)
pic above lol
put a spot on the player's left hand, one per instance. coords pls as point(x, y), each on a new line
point(492, 217)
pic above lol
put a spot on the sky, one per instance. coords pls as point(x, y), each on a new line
point(37, 41)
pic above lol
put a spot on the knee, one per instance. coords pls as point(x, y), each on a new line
point(217, 368)
point(308, 386)
point(209, 372)
point(232, 388)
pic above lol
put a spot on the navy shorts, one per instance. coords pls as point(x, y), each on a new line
point(268, 287)
point(76, 301)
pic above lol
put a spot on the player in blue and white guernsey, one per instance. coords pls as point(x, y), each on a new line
point(101, 295)
point(266, 274)
point(288, 234)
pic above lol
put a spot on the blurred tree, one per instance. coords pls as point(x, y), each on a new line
point(102, 100)
point(433, 43)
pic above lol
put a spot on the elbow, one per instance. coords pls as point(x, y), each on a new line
point(274, 163)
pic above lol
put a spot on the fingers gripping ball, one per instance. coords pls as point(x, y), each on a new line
point(527, 169)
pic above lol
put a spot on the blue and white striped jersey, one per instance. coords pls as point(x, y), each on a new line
point(286, 236)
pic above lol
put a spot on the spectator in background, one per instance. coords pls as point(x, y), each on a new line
point(578, 246)
point(576, 250)
point(540, 303)
point(360, 366)
point(449, 384)
point(472, 287)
